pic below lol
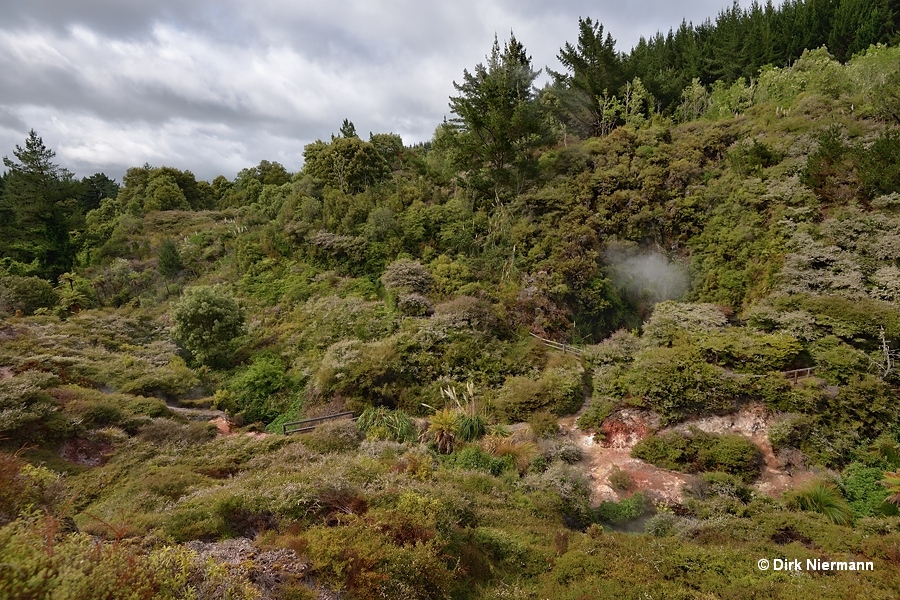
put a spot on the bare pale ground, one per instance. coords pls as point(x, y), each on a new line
point(626, 427)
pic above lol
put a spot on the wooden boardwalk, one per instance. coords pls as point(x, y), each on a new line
point(310, 424)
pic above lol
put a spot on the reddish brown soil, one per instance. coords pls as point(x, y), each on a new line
point(626, 427)
point(85, 452)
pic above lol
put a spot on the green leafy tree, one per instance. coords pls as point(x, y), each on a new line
point(347, 163)
point(498, 121)
point(207, 323)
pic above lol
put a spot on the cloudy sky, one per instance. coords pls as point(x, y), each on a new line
point(218, 85)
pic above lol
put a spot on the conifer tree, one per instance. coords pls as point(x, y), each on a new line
point(36, 211)
point(498, 120)
point(594, 73)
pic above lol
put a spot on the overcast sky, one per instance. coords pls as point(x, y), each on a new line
point(215, 86)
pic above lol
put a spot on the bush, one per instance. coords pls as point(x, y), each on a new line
point(863, 488)
point(207, 323)
point(475, 459)
point(662, 524)
point(27, 411)
point(701, 451)
point(620, 480)
point(415, 305)
point(380, 423)
point(543, 424)
point(407, 276)
point(255, 390)
point(337, 436)
point(677, 382)
point(597, 412)
point(824, 498)
point(625, 510)
point(25, 294)
point(723, 485)
point(559, 391)
point(166, 432)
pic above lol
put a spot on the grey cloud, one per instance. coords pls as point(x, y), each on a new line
point(215, 86)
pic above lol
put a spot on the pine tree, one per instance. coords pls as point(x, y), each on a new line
point(498, 120)
point(595, 71)
point(36, 210)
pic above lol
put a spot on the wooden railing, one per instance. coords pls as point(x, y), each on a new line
point(798, 374)
point(559, 346)
point(310, 424)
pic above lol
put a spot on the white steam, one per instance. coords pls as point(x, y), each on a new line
point(648, 276)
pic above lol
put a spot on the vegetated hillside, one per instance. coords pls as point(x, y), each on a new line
point(691, 257)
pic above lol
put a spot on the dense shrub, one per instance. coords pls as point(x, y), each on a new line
point(677, 382)
point(543, 424)
point(415, 305)
point(824, 498)
point(672, 321)
point(337, 436)
point(863, 488)
point(625, 510)
point(475, 459)
point(700, 451)
point(25, 294)
point(49, 564)
point(256, 390)
point(380, 423)
point(559, 390)
point(28, 412)
point(407, 276)
point(207, 323)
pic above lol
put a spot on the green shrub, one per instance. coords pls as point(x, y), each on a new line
point(712, 484)
point(750, 159)
point(337, 436)
point(27, 411)
point(700, 451)
point(415, 305)
point(749, 351)
point(207, 323)
point(369, 564)
point(663, 524)
point(599, 409)
point(475, 459)
point(79, 566)
point(619, 479)
point(625, 510)
point(25, 294)
point(863, 488)
point(677, 382)
point(380, 423)
point(256, 390)
point(408, 276)
point(824, 498)
point(25, 488)
point(673, 321)
point(543, 424)
point(167, 432)
point(559, 390)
